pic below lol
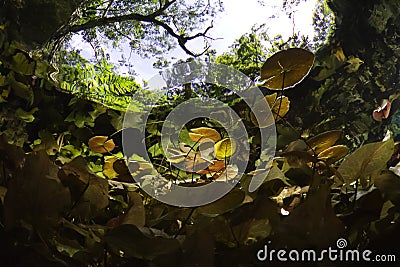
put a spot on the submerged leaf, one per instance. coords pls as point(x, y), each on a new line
point(279, 106)
point(365, 161)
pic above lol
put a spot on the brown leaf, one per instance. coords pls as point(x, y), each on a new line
point(298, 159)
point(134, 215)
point(35, 196)
point(101, 144)
point(333, 154)
point(324, 140)
point(89, 191)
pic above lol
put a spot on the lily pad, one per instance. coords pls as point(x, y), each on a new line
point(202, 134)
point(100, 144)
point(286, 68)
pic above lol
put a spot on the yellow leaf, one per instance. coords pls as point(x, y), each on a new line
point(203, 133)
point(108, 169)
point(195, 137)
point(324, 140)
point(279, 107)
point(224, 148)
point(100, 144)
point(354, 64)
point(338, 52)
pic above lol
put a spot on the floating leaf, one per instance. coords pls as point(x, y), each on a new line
point(365, 161)
point(108, 169)
point(225, 148)
point(333, 154)
point(101, 144)
point(216, 166)
point(187, 150)
point(297, 145)
point(324, 140)
point(280, 107)
point(116, 168)
point(266, 119)
point(196, 165)
point(290, 65)
point(203, 133)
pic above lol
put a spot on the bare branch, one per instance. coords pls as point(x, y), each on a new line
point(151, 18)
point(107, 8)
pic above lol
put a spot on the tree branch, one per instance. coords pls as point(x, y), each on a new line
point(151, 18)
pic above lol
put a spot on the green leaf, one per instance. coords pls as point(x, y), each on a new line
point(22, 90)
point(366, 161)
point(27, 116)
point(21, 64)
point(3, 81)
